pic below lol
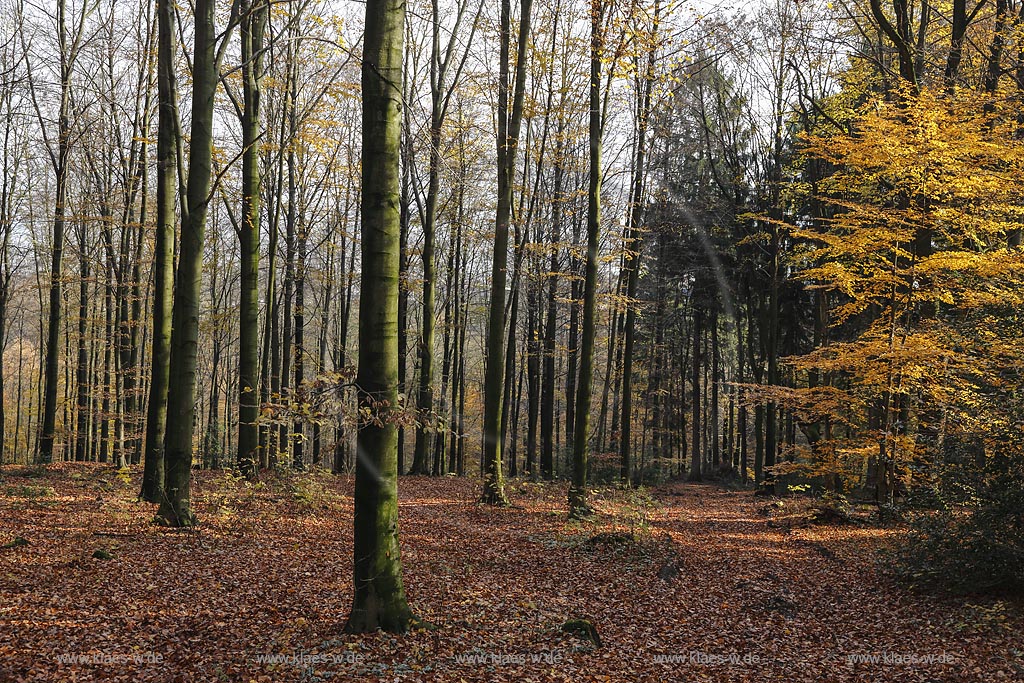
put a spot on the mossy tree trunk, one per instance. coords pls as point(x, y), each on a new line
point(176, 505)
point(379, 601)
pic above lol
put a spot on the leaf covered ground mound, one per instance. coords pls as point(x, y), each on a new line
point(689, 583)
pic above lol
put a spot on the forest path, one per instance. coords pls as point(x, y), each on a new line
point(683, 583)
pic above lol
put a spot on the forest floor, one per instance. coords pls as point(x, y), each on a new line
point(682, 582)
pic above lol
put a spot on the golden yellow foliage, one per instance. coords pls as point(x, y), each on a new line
point(912, 248)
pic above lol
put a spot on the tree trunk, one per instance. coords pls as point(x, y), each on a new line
point(508, 143)
point(176, 507)
point(695, 449)
point(510, 368)
point(634, 238)
point(252, 27)
point(425, 395)
point(742, 417)
point(298, 427)
point(285, 434)
point(108, 351)
point(60, 162)
point(578, 506)
point(379, 601)
point(533, 354)
point(82, 379)
point(572, 344)
point(404, 218)
point(714, 421)
point(772, 351)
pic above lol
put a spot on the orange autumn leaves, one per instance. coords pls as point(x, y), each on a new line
point(913, 241)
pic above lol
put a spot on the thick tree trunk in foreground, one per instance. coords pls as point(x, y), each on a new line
point(176, 506)
point(379, 601)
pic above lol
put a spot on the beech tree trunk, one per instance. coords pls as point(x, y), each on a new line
point(508, 143)
point(248, 458)
point(578, 506)
point(635, 244)
point(60, 162)
point(379, 601)
point(176, 506)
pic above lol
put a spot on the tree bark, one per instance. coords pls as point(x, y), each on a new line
point(508, 143)
point(578, 506)
point(60, 163)
point(252, 28)
point(696, 455)
point(176, 506)
point(635, 245)
point(379, 601)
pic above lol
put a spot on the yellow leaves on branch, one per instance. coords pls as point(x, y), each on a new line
point(808, 405)
point(932, 145)
point(948, 163)
point(912, 246)
point(962, 279)
point(940, 169)
point(872, 362)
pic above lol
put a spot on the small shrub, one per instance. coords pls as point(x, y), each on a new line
point(832, 507)
point(124, 475)
point(975, 542)
point(228, 491)
point(25, 491)
point(641, 504)
point(311, 491)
